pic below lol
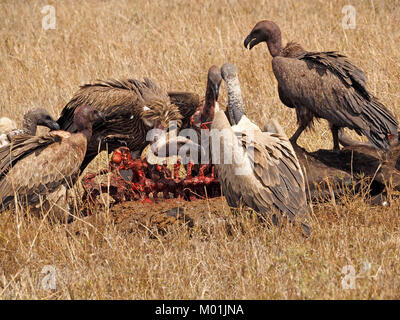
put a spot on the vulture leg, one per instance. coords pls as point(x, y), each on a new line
point(346, 141)
point(335, 135)
point(297, 134)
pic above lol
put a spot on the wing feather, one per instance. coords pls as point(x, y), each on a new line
point(39, 165)
point(276, 180)
point(329, 85)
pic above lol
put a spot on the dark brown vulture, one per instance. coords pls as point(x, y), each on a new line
point(35, 167)
point(32, 118)
point(263, 172)
point(324, 85)
point(131, 107)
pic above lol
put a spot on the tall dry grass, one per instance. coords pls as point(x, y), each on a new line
point(174, 43)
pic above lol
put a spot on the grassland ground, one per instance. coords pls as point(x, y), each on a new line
point(223, 255)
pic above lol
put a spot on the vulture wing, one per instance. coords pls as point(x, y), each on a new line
point(277, 170)
point(33, 166)
point(109, 97)
point(334, 89)
point(275, 180)
point(21, 146)
point(342, 67)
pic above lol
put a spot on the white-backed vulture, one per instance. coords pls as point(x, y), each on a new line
point(324, 85)
point(264, 172)
point(34, 167)
point(131, 108)
point(32, 118)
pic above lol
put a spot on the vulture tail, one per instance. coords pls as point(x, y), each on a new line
point(382, 124)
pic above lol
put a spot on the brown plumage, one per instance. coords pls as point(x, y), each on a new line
point(324, 85)
point(33, 118)
point(131, 108)
point(201, 119)
point(187, 103)
point(264, 173)
point(35, 167)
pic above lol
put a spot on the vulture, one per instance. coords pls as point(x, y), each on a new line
point(131, 108)
point(264, 172)
point(205, 111)
point(200, 119)
point(33, 168)
point(32, 118)
point(324, 85)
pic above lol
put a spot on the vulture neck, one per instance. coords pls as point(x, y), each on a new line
point(87, 132)
point(235, 101)
point(274, 44)
point(29, 124)
point(209, 103)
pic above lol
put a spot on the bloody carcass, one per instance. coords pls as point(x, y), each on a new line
point(131, 179)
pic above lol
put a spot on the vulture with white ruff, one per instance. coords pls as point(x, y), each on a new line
point(32, 168)
point(264, 173)
point(324, 85)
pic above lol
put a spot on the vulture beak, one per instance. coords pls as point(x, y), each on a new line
point(216, 91)
point(52, 125)
point(250, 40)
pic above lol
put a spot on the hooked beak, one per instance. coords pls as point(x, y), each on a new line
point(250, 40)
point(52, 125)
point(216, 91)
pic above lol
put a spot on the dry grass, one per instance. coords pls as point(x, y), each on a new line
point(174, 42)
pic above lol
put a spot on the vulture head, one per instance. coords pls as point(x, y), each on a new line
point(265, 31)
point(45, 119)
point(158, 114)
point(84, 118)
point(214, 81)
point(38, 117)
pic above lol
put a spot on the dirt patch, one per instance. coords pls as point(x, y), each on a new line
point(205, 215)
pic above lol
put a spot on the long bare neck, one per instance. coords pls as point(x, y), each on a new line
point(274, 44)
point(209, 103)
point(29, 124)
point(235, 100)
point(87, 132)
